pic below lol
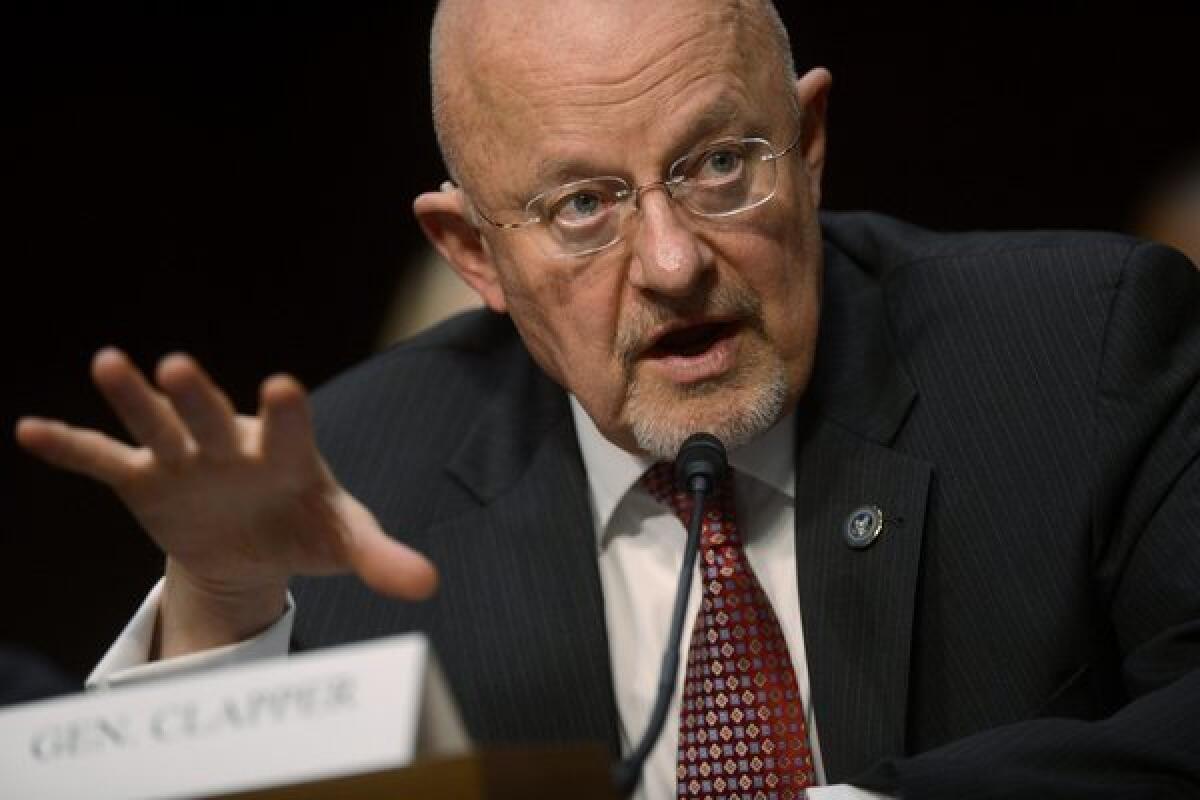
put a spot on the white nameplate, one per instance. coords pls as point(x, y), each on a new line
point(345, 710)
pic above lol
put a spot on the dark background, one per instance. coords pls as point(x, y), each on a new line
point(235, 180)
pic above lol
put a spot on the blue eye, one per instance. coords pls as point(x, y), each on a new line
point(719, 165)
point(723, 162)
point(581, 207)
point(583, 204)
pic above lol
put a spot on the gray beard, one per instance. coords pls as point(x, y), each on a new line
point(659, 431)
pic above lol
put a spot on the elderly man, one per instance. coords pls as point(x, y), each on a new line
point(959, 553)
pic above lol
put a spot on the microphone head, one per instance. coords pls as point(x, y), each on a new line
point(701, 463)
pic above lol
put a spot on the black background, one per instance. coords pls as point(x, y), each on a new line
point(236, 179)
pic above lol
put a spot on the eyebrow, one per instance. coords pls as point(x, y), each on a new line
point(718, 115)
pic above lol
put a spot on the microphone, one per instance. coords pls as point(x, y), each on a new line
point(701, 463)
point(699, 467)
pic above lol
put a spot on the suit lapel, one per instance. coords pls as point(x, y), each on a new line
point(548, 671)
point(857, 604)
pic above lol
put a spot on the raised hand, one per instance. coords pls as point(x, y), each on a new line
point(239, 504)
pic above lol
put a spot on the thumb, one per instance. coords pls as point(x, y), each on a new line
point(384, 564)
point(393, 568)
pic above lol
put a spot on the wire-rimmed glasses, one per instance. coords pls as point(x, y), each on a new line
point(723, 178)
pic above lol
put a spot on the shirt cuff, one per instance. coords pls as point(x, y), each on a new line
point(843, 791)
point(127, 660)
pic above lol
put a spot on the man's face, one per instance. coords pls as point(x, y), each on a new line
point(687, 323)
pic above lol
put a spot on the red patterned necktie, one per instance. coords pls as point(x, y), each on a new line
point(742, 734)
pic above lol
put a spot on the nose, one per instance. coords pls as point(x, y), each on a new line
point(668, 257)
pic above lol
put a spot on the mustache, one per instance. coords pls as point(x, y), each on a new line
point(726, 300)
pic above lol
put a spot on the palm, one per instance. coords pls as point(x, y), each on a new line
point(241, 517)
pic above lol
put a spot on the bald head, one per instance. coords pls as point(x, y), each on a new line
point(544, 108)
point(481, 52)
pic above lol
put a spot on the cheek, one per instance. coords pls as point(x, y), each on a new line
point(792, 310)
point(780, 263)
point(771, 261)
point(568, 321)
point(793, 302)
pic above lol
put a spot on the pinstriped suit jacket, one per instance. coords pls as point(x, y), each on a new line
point(1026, 410)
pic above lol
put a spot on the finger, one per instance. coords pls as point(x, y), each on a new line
point(204, 409)
point(287, 422)
point(87, 452)
point(145, 412)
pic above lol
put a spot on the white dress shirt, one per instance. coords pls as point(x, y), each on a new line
point(639, 552)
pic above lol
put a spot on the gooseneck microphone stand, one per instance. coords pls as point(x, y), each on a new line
point(699, 467)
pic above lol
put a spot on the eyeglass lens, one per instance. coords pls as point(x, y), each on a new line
point(723, 179)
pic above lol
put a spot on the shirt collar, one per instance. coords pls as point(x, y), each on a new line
point(612, 472)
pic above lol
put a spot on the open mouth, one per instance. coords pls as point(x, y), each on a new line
point(691, 341)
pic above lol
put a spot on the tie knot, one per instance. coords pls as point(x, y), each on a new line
point(659, 481)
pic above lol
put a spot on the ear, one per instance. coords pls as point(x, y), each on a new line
point(812, 96)
point(444, 219)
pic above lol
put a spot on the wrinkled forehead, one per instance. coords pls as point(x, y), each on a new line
point(533, 77)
